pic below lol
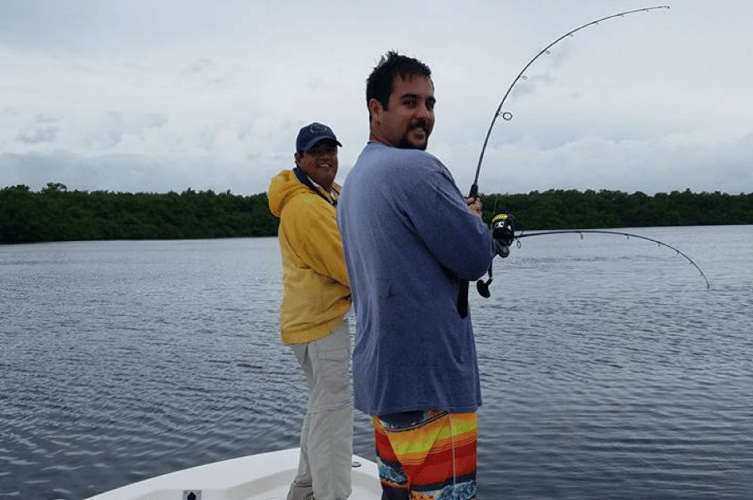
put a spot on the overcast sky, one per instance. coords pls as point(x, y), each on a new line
point(160, 95)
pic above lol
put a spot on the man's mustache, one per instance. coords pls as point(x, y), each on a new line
point(421, 124)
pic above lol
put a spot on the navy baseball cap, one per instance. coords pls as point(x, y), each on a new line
point(311, 134)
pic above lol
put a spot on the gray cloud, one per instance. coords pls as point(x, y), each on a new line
point(37, 135)
point(133, 173)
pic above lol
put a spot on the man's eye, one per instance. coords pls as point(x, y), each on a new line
point(319, 151)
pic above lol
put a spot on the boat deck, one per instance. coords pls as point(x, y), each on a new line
point(266, 476)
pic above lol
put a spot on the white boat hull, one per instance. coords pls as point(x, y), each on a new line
point(266, 476)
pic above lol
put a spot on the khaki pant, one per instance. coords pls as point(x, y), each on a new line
point(327, 433)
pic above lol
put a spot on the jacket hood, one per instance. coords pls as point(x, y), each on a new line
point(283, 187)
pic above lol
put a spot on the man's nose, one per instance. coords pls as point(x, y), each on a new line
point(424, 111)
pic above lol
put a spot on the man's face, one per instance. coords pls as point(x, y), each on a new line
point(320, 163)
point(409, 118)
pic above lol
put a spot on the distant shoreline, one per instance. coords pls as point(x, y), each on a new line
point(56, 214)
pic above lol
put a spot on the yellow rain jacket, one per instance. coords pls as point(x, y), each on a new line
point(315, 280)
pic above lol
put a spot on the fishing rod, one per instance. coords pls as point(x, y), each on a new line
point(503, 232)
point(507, 115)
point(462, 304)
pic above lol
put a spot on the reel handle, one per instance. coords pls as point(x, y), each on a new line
point(483, 288)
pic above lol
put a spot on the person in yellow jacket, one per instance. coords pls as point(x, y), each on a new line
point(315, 301)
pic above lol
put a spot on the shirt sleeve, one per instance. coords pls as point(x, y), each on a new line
point(458, 239)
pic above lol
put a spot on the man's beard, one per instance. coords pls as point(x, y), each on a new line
point(406, 144)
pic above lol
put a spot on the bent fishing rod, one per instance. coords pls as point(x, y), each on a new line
point(483, 288)
point(521, 76)
point(462, 303)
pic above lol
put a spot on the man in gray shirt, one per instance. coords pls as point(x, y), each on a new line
point(410, 240)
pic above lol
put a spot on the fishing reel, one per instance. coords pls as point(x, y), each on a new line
point(503, 233)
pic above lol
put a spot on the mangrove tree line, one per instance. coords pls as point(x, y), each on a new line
point(56, 214)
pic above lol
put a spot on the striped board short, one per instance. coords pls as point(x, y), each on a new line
point(427, 455)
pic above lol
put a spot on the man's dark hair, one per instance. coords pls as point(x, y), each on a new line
point(380, 82)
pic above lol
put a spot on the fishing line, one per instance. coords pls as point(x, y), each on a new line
point(617, 233)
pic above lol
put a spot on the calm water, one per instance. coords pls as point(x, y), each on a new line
point(609, 370)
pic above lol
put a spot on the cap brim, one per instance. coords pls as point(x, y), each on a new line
point(314, 142)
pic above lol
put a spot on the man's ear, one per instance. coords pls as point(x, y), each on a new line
point(375, 108)
point(297, 159)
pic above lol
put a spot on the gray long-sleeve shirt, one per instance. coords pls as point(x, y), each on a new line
point(409, 240)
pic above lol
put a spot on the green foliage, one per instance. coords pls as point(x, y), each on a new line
point(56, 214)
point(571, 209)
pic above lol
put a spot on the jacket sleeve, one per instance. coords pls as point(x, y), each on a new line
point(315, 237)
